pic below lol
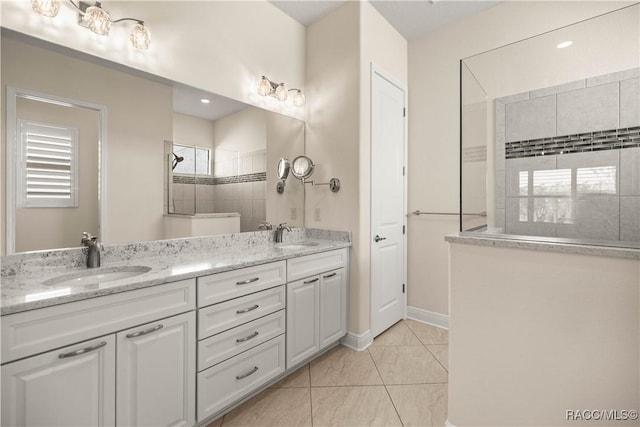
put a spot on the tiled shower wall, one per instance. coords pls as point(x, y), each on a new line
point(238, 185)
point(568, 159)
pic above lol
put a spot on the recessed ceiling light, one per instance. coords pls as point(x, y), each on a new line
point(564, 44)
point(205, 100)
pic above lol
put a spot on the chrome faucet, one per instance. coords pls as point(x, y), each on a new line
point(93, 255)
point(280, 231)
point(265, 226)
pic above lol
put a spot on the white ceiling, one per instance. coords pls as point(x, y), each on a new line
point(186, 100)
point(412, 18)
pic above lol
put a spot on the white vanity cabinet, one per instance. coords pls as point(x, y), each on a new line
point(316, 304)
point(151, 375)
point(241, 328)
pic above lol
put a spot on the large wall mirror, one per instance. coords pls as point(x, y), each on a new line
point(133, 188)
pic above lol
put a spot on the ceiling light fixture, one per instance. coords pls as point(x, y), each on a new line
point(279, 91)
point(205, 101)
point(564, 44)
point(98, 20)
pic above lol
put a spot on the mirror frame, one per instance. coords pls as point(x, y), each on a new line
point(286, 166)
point(12, 157)
point(307, 172)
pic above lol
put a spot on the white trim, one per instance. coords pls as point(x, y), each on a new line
point(447, 423)
point(11, 157)
point(375, 69)
point(358, 342)
point(428, 317)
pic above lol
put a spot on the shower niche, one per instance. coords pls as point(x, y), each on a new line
point(550, 135)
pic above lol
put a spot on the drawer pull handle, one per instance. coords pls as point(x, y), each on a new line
point(329, 275)
point(82, 350)
point(251, 372)
point(145, 332)
point(246, 282)
point(311, 281)
point(248, 337)
point(246, 310)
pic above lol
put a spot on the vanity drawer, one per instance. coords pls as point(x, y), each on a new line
point(36, 331)
point(226, 315)
point(232, 379)
point(231, 284)
point(310, 265)
point(227, 344)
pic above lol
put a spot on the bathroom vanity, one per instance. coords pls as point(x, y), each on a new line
point(187, 337)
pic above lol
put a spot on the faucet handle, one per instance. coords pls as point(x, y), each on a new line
point(282, 225)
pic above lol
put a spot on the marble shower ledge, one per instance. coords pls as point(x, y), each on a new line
point(24, 290)
point(556, 245)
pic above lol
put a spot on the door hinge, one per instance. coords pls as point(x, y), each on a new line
point(404, 111)
point(403, 288)
point(403, 170)
point(403, 229)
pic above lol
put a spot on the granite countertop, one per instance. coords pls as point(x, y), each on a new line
point(567, 246)
point(26, 291)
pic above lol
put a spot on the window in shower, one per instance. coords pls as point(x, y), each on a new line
point(196, 160)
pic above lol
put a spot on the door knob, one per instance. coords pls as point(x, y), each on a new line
point(378, 238)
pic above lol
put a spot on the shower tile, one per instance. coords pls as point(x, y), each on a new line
point(246, 209)
point(613, 77)
point(514, 98)
point(594, 217)
point(554, 90)
point(259, 209)
point(515, 166)
point(601, 164)
point(245, 191)
point(500, 152)
point(630, 172)
point(500, 189)
point(592, 109)
point(630, 219)
point(630, 103)
point(499, 117)
point(531, 119)
point(519, 213)
point(258, 189)
point(500, 220)
point(236, 206)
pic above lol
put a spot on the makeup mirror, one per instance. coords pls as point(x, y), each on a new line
point(302, 167)
point(283, 168)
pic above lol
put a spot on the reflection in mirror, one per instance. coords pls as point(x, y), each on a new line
point(143, 112)
point(283, 168)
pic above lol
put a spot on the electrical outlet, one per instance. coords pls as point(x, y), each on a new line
point(316, 214)
point(294, 213)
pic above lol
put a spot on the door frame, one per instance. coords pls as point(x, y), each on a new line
point(375, 69)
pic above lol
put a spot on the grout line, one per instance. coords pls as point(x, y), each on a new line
point(437, 359)
point(310, 395)
point(385, 387)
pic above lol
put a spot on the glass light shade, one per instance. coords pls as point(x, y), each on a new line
point(298, 98)
point(264, 86)
point(281, 92)
point(48, 8)
point(97, 20)
point(140, 36)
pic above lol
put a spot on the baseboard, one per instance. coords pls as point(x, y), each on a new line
point(357, 342)
point(447, 423)
point(428, 317)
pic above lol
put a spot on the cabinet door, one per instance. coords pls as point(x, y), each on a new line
point(73, 386)
point(156, 373)
point(303, 317)
point(333, 306)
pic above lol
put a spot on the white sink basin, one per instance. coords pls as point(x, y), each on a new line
point(298, 245)
point(97, 276)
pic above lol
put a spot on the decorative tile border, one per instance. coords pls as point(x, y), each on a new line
point(201, 180)
point(591, 141)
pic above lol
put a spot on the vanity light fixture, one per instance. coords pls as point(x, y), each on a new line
point(98, 20)
point(279, 91)
point(564, 44)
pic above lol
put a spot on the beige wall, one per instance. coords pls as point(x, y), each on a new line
point(219, 46)
point(340, 48)
point(189, 130)
point(50, 228)
point(139, 120)
point(534, 333)
point(434, 123)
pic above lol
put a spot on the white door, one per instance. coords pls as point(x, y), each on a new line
point(157, 372)
point(73, 386)
point(303, 317)
point(387, 203)
point(333, 307)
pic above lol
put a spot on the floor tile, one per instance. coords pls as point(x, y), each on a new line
point(398, 334)
point(342, 366)
point(273, 407)
point(216, 423)
point(408, 365)
point(441, 352)
point(428, 334)
point(353, 406)
point(420, 405)
point(298, 379)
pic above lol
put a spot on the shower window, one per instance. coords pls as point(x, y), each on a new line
point(196, 160)
point(561, 129)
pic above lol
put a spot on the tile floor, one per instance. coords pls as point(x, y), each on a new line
point(401, 380)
